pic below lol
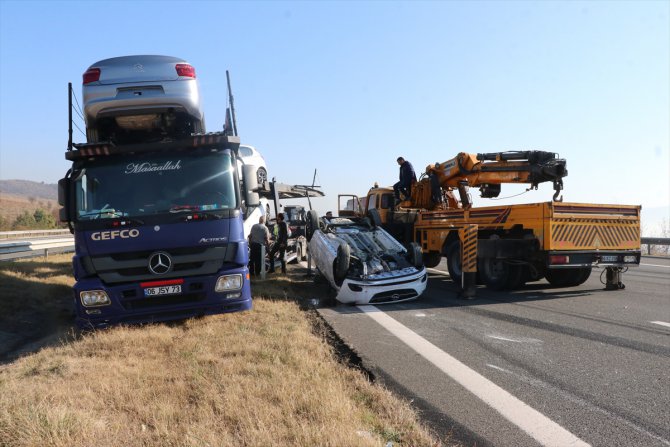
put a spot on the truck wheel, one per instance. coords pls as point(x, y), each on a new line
point(432, 259)
point(454, 266)
point(500, 275)
point(415, 255)
point(342, 261)
point(312, 224)
point(586, 273)
point(532, 273)
point(568, 277)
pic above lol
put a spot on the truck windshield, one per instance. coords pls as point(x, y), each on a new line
point(155, 184)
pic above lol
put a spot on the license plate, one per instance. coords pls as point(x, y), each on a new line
point(609, 258)
point(162, 290)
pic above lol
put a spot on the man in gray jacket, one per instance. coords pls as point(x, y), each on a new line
point(259, 236)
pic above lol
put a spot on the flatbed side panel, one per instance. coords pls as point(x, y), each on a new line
point(574, 226)
point(433, 227)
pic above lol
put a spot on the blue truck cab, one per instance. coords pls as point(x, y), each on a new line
point(159, 229)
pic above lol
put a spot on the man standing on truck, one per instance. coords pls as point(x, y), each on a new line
point(407, 177)
point(280, 244)
point(259, 235)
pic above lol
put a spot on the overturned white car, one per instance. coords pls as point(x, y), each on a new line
point(363, 263)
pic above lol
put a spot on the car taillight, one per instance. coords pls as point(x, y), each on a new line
point(185, 70)
point(91, 75)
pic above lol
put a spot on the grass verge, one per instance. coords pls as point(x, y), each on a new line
point(258, 378)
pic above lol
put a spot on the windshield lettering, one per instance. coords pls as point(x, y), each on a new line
point(197, 182)
point(139, 168)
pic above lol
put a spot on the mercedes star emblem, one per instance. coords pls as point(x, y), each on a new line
point(160, 263)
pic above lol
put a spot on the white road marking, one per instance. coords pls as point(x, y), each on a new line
point(504, 338)
point(439, 272)
point(531, 421)
point(656, 265)
point(579, 401)
point(515, 340)
point(499, 368)
point(419, 315)
point(662, 323)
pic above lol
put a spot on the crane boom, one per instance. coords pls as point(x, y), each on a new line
point(486, 171)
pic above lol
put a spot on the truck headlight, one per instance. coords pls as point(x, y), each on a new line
point(94, 298)
point(228, 282)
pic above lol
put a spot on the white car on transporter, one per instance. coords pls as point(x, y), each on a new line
point(363, 263)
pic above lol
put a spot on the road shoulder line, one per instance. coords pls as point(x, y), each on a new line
point(535, 424)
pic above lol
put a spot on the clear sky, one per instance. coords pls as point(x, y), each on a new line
point(346, 87)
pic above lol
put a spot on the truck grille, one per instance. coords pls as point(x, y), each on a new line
point(134, 266)
point(393, 295)
point(162, 301)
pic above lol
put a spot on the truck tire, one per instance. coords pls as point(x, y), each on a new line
point(453, 254)
point(498, 274)
point(342, 261)
point(568, 277)
point(312, 224)
point(415, 255)
point(432, 259)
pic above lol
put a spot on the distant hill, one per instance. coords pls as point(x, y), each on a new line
point(28, 189)
point(19, 196)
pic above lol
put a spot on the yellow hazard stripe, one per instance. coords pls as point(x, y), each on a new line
point(469, 238)
point(589, 234)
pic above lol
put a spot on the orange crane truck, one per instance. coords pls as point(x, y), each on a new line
point(516, 244)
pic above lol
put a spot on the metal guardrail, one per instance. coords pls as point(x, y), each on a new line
point(38, 247)
point(655, 241)
point(7, 235)
point(650, 241)
point(41, 247)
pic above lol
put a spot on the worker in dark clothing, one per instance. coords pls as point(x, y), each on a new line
point(259, 236)
point(407, 177)
point(280, 244)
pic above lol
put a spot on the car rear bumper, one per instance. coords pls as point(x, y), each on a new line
point(135, 99)
point(588, 258)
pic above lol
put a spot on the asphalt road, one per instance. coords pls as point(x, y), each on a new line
point(540, 366)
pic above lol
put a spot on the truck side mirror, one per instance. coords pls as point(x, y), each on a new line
point(63, 186)
point(250, 182)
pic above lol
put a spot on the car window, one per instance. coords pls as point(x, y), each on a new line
point(245, 152)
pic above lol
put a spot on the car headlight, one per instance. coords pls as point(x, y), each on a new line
point(94, 298)
point(228, 282)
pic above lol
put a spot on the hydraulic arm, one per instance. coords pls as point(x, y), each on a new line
point(486, 172)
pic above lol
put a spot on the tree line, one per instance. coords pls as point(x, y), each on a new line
point(40, 219)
